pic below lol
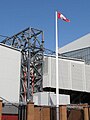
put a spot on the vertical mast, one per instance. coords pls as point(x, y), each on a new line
point(57, 88)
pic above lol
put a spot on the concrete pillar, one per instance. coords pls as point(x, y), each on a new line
point(46, 113)
point(89, 113)
point(0, 109)
point(86, 113)
point(30, 111)
point(63, 112)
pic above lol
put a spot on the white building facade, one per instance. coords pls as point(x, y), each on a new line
point(80, 49)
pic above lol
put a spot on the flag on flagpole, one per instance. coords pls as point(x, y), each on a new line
point(61, 16)
point(58, 16)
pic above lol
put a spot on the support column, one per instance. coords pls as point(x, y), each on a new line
point(30, 111)
point(89, 113)
point(86, 113)
point(63, 112)
point(0, 109)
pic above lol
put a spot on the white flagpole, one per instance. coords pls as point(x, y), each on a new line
point(57, 88)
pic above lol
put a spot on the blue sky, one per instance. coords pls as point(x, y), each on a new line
point(16, 15)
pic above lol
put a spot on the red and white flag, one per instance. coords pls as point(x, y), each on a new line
point(61, 16)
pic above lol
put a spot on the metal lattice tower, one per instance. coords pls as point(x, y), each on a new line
point(30, 41)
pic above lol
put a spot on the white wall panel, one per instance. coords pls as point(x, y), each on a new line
point(71, 74)
point(77, 72)
point(10, 64)
point(47, 72)
point(53, 72)
point(49, 99)
point(87, 73)
point(64, 74)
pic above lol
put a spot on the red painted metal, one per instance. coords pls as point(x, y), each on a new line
point(9, 117)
